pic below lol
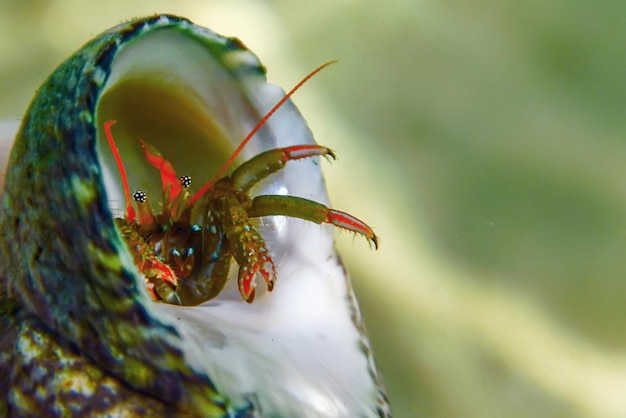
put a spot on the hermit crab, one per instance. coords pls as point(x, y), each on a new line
point(97, 231)
point(187, 262)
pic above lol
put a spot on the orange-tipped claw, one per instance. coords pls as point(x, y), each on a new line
point(247, 282)
point(155, 268)
point(298, 152)
point(247, 277)
point(346, 221)
point(268, 272)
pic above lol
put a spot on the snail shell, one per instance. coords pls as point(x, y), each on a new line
point(79, 333)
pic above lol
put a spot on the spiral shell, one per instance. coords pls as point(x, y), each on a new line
point(79, 334)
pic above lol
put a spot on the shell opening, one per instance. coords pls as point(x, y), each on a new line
point(168, 89)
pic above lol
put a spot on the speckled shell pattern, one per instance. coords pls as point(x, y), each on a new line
point(75, 336)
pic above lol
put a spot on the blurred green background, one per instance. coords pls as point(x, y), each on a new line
point(485, 143)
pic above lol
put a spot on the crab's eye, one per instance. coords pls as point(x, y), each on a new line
point(139, 196)
point(185, 181)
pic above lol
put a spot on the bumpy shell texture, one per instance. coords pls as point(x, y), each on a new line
point(79, 334)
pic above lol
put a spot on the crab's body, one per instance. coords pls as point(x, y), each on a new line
point(185, 251)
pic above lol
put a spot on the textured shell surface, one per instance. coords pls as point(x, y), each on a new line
point(79, 333)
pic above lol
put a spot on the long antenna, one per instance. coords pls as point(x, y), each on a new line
point(220, 173)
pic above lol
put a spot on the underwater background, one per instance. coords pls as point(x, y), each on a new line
point(485, 143)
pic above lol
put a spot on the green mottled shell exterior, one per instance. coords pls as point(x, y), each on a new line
point(76, 337)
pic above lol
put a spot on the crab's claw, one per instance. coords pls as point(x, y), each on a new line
point(253, 258)
point(247, 275)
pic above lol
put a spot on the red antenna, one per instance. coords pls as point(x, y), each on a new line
point(222, 170)
point(130, 211)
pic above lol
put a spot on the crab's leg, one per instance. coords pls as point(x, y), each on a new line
point(246, 244)
point(257, 168)
point(199, 288)
point(297, 207)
